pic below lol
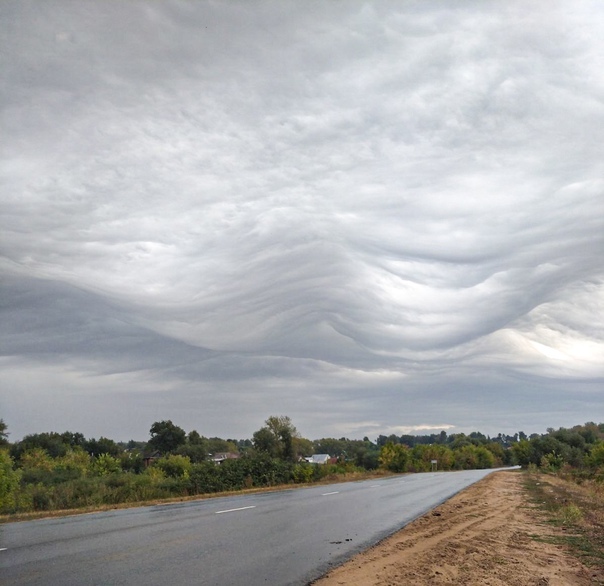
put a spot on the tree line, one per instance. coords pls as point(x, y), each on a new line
point(54, 471)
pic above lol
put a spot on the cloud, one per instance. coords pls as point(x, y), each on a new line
point(241, 206)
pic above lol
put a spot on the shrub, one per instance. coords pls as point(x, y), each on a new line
point(105, 465)
point(9, 483)
point(204, 478)
point(132, 462)
point(394, 457)
point(174, 466)
point(570, 514)
point(302, 473)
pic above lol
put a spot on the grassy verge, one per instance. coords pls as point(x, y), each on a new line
point(330, 479)
point(577, 511)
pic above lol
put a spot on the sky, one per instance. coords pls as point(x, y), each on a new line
point(373, 217)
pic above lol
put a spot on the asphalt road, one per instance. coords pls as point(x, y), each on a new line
point(276, 538)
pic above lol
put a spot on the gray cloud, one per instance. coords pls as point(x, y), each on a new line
point(368, 217)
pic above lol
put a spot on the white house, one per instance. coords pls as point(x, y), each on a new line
point(318, 459)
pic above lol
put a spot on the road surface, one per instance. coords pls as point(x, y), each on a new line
point(290, 537)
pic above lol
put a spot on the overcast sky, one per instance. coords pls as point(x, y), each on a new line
point(374, 217)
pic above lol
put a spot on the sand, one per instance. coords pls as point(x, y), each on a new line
point(489, 534)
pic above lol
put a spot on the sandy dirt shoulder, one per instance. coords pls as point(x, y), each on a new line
point(486, 535)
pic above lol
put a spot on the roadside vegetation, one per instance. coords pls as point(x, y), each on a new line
point(577, 509)
point(565, 478)
point(53, 471)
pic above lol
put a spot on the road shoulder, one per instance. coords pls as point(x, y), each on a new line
point(489, 534)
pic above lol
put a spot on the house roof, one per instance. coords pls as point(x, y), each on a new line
point(319, 458)
point(219, 457)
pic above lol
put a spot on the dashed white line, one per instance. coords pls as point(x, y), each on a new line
point(328, 493)
point(3, 548)
point(233, 510)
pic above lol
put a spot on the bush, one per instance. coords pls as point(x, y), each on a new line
point(203, 478)
point(105, 465)
point(129, 488)
point(9, 483)
point(395, 457)
point(132, 462)
point(302, 473)
point(174, 466)
point(40, 498)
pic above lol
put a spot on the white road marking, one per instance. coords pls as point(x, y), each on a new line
point(376, 486)
point(232, 510)
point(3, 548)
point(328, 493)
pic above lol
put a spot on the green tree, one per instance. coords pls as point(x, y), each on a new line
point(74, 464)
point(132, 462)
point(303, 447)
point(3, 433)
point(105, 465)
point(466, 457)
point(277, 437)
point(499, 453)
point(166, 437)
point(216, 445)
point(102, 446)
point(394, 457)
point(328, 445)
point(195, 452)
point(53, 443)
point(36, 458)
point(265, 442)
point(522, 452)
point(422, 457)
point(419, 459)
point(174, 466)
point(595, 458)
point(458, 440)
point(9, 483)
point(37, 466)
point(484, 458)
point(73, 440)
point(194, 439)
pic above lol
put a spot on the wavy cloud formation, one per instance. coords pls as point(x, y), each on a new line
point(388, 214)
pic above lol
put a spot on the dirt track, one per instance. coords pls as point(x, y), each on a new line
point(483, 536)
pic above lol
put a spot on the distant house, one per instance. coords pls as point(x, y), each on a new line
point(221, 457)
point(319, 459)
point(150, 457)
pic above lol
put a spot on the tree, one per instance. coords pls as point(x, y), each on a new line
point(265, 441)
point(303, 447)
point(102, 446)
point(281, 424)
point(166, 437)
point(9, 483)
point(105, 465)
point(73, 440)
point(328, 445)
point(3, 433)
point(522, 452)
point(53, 443)
point(595, 459)
point(216, 445)
point(174, 466)
point(394, 457)
point(194, 438)
point(277, 437)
